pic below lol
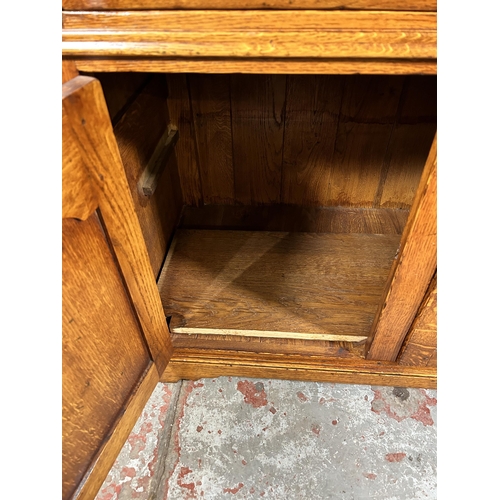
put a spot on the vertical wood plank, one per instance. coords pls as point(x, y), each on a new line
point(412, 271)
point(181, 116)
point(312, 113)
point(210, 98)
point(368, 114)
point(258, 109)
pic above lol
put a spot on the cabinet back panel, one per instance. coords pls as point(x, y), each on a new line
point(310, 140)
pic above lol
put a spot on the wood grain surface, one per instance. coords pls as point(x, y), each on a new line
point(304, 66)
point(200, 21)
point(307, 140)
point(412, 271)
point(312, 113)
point(103, 354)
point(80, 198)
point(288, 218)
point(181, 117)
point(111, 448)
point(246, 34)
point(387, 44)
point(120, 90)
point(87, 125)
point(270, 345)
point(420, 347)
point(258, 123)
point(306, 283)
point(211, 104)
point(423, 5)
point(198, 363)
point(69, 70)
point(137, 134)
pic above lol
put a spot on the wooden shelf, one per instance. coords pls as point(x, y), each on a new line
point(266, 284)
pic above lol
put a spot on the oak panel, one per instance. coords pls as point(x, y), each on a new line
point(137, 134)
point(210, 98)
point(258, 123)
point(312, 113)
point(181, 116)
point(103, 354)
point(88, 128)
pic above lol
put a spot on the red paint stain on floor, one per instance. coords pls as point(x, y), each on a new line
point(370, 475)
point(334, 422)
point(188, 486)
point(254, 393)
point(233, 490)
point(395, 457)
point(127, 472)
point(422, 414)
point(302, 397)
point(316, 429)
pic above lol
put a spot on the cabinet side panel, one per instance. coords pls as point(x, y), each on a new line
point(103, 354)
point(137, 134)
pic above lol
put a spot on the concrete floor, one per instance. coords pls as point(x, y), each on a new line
point(244, 439)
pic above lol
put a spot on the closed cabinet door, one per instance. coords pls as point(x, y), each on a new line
point(115, 339)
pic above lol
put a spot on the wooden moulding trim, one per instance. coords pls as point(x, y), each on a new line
point(91, 483)
point(205, 21)
point(332, 44)
point(197, 363)
point(245, 34)
point(417, 5)
point(270, 334)
point(88, 124)
point(260, 66)
point(411, 272)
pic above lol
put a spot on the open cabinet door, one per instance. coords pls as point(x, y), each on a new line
point(412, 271)
point(115, 339)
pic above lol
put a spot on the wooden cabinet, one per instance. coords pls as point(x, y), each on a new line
point(248, 193)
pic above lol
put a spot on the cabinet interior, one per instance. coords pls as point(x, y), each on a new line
point(281, 207)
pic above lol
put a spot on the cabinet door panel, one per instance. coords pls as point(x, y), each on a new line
point(104, 355)
point(115, 338)
point(411, 272)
